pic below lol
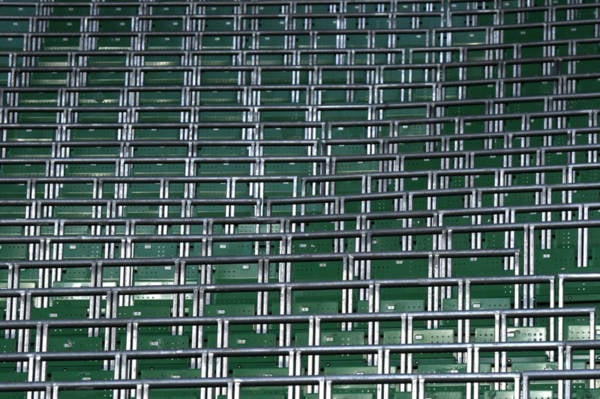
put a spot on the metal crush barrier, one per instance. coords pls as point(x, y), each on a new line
point(303, 199)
